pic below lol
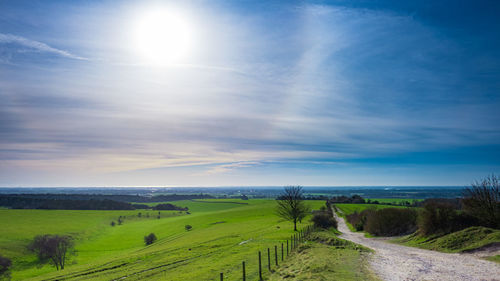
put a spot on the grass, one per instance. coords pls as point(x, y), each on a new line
point(494, 258)
point(224, 234)
point(464, 240)
point(207, 205)
point(394, 200)
point(351, 208)
point(325, 257)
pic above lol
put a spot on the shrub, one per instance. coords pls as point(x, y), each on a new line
point(188, 227)
point(324, 220)
point(168, 206)
point(482, 200)
point(442, 218)
point(150, 239)
point(391, 222)
point(5, 264)
point(358, 220)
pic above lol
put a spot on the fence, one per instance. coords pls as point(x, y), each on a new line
point(291, 245)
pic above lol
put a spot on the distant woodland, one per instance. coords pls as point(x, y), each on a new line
point(91, 201)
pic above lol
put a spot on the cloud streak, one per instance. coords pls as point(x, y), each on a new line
point(36, 46)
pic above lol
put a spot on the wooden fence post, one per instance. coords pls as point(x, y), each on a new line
point(276, 254)
point(244, 273)
point(281, 251)
point(268, 259)
point(260, 267)
point(287, 247)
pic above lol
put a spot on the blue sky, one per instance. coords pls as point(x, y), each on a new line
point(269, 93)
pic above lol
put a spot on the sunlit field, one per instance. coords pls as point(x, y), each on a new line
point(224, 233)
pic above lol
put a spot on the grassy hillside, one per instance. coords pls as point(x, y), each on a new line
point(460, 241)
point(224, 234)
point(326, 257)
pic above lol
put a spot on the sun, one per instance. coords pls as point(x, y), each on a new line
point(162, 36)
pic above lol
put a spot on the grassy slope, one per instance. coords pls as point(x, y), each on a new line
point(18, 227)
point(460, 241)
point(106, 252)
point(351, 208)
point(325, 258)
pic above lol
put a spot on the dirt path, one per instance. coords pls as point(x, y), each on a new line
point(398, 263)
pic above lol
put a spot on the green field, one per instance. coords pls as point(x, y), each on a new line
point(224, 234)
point(347, 209)
point(393, 200)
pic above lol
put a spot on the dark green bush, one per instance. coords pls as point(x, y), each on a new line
point(358, 220)
point(443, 218)
point(324, 219)
point(391, 222)
point(5, 264)
point(150, 239)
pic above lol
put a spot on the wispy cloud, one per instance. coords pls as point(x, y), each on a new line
point(224, 168)
point(36, 46)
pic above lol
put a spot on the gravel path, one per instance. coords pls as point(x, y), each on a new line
point(395, 262)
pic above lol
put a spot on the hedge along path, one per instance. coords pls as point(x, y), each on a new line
point(394, 262)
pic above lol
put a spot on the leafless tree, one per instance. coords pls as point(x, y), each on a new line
point(52, 248)
point(291, 205)
point(482, 200)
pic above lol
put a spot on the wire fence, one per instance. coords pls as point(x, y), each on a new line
point(275, 256)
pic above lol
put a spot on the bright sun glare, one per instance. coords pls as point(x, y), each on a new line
point(162, 36)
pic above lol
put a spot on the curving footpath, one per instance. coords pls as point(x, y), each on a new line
point(393, 262)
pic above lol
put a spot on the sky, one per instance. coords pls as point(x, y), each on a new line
point(226, 93)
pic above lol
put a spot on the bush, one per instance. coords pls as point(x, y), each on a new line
point(5, 264)
point(150, 239)
point(482, 200)
point(442, 218)
point(324, 220)
point(188, 227)
point(168, 206)
point(391, 222)
point(358, 220)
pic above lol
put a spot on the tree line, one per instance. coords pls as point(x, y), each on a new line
point(28, 202)
point(114, 197)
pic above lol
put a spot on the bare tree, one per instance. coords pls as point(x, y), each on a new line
point(52, 248)
point(482, 200)
point(291, 205)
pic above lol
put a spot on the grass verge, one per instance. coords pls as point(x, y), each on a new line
point(461, 241)
point(326, 257)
